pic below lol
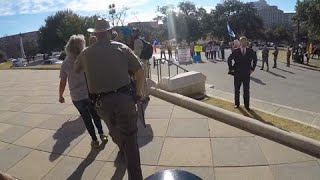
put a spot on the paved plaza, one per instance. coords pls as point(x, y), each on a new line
point(42, 139)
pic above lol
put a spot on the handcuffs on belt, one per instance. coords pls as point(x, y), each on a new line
point(97, 100)
point(97, 97)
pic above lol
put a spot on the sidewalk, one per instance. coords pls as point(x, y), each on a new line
point(41, 139)
point(306, 117)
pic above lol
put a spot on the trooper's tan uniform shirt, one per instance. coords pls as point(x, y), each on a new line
point(110, 61)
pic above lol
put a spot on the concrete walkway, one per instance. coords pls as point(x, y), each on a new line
point(41, 139)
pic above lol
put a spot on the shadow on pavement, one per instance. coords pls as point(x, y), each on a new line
point(254, 115)
point(309, 67)
point(77, 174)
point(256, 80)
point(212, 61)
point(275, 74)
point(145, 136)
point(69, 131)
point(286, 71)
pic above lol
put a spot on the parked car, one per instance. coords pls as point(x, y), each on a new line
point(52, 61)
point(18, 63)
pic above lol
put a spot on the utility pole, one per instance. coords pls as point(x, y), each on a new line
point(112, 12)
point(298, 24)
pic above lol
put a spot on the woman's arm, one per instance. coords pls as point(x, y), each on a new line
point(62, 87)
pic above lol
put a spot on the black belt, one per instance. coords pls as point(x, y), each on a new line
point(123, 89)
point(97, 97)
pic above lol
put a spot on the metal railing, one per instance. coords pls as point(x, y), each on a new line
point(157, 63)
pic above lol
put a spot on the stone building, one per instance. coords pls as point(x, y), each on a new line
point(11, 44)
point(271, 15)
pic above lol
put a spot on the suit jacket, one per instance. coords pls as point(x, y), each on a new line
point(243, 64)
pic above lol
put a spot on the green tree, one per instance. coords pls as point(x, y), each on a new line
point(242, 17)
point(184, 24)
point(277, 33)
point(70, 25)
point(3, 56)
point(49, 39)
point(187, 8)
point(31, 48)
point(59, 27)
point(308, 17)
point(88, 22)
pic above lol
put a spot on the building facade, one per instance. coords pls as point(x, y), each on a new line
point(10, 45)
point(271, 15)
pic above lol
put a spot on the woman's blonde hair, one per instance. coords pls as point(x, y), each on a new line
point(75, 45)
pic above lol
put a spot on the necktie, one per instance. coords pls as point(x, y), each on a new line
point(243, 51)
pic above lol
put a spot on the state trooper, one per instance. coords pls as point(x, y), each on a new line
point(107, 65)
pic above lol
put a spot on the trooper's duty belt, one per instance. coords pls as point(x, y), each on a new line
point(96, 98)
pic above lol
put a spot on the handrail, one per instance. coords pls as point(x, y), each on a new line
point(158, 62)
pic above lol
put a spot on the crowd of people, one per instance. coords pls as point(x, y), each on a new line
point(213, 50)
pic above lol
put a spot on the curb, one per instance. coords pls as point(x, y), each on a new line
point(290, 139)
point(274, 113)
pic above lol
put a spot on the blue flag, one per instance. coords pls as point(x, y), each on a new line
point(230, 32)
point(155, 41)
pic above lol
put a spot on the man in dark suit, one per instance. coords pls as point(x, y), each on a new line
point(245, 62)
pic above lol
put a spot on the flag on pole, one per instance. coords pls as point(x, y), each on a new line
point(230, 32)
point(23, 55)
point(156, 41)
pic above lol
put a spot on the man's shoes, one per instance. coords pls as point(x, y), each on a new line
point(236, 106)
point(104, 138)
point(95, 144)
point(261, 69)
point(247, 108)
point(268, 70)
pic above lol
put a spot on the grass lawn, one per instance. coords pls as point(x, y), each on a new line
point(5, 65)
point(282, 123)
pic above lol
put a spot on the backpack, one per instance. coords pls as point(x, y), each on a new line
point(147, 50)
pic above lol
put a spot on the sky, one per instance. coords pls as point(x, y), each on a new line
point(29, 15)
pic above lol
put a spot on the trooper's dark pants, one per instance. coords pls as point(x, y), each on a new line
point(118, 110)
point(245, 80)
